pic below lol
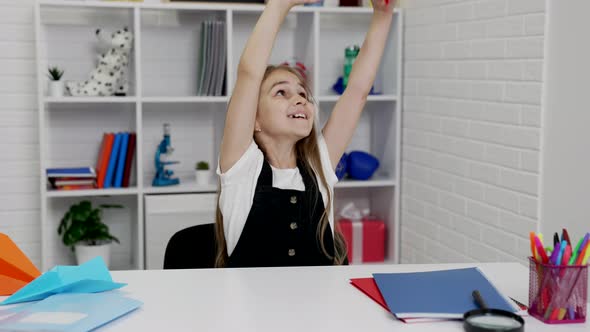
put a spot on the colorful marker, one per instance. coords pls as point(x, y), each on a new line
point(561, 251)
point(554, 253)
point(540, 250)
point(576, 252)
point(533, 251)
point(566, 255)
point(566, 236)
point(586, 256)
point(571, 313)
point(586, 239)
point(582, 255)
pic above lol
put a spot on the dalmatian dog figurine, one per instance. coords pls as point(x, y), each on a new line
point(110, 75)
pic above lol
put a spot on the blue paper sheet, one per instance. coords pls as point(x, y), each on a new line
point(437, 294)
point(70, 312)
point(90, 277)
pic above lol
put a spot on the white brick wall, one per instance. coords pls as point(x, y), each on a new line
point(19, 139)
point(473, 81)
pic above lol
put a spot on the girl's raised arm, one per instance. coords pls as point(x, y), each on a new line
point(241, 112)
point(342, 122)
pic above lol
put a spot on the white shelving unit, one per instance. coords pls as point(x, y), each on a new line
point(163, 90)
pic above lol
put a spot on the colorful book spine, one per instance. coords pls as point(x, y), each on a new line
point(75, 187)
point(129, 160)
point(121, 160)
point(108, 181)
point(71, 172)
point(103, 161)
point(100, 157)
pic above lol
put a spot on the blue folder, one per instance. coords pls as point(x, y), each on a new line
point(438, 294)
point(121, 161)
point(109, 178)
point(70, 312)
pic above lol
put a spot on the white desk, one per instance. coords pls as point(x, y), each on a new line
point(287, 299)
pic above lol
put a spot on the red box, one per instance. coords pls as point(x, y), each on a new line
point(370, 235)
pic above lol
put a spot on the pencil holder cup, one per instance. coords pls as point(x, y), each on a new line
point(558, 293)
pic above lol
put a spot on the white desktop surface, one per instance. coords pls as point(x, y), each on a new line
point(288, 299)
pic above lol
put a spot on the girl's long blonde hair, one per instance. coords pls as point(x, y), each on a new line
point(308, 154)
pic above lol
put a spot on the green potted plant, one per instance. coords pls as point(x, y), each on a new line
point(56, 85)
point(202, 173)
point(84, 232)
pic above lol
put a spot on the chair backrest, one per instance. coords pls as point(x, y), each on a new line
point(191, 248)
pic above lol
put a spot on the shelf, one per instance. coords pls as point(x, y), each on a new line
point(186, 187)
point(334, 98)
point(188, 99)
point(238, 7)
point(302, 9)
point(201, 6)
point(163, 89)
point(92, 192)
point(377, 182)
point(88, 4)
point(94, 100)
point(123, 100)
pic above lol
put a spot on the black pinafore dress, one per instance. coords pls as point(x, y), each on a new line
point(281, 228)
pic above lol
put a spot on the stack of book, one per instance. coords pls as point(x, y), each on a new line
point(212, 59)
point(71, 178)
point(113, 166)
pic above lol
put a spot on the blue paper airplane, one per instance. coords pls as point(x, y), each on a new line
point(90, 277)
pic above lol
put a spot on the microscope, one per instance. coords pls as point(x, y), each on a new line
point(163, 176)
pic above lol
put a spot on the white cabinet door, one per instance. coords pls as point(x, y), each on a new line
point(167, 214)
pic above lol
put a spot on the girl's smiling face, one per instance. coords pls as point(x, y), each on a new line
point(284, 106)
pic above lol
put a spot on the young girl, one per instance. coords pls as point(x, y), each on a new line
point(276, 166)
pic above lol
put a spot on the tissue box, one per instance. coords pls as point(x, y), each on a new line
point(365, 239)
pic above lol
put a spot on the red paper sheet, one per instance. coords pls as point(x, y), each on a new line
point(369, 287)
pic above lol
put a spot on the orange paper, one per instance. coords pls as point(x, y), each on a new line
point(16, 270)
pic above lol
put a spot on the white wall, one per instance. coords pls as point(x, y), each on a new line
point(565, 189)
point(472, 117)
point(19, 140)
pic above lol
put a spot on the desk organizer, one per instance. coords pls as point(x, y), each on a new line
point(558, 293)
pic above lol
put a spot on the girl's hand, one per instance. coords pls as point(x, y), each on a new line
point(383, 5)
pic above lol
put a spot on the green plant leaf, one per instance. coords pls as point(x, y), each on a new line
point(83, 224)
point(202, 165)
point(54, 73)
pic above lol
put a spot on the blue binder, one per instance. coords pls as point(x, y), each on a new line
point(108, 180)
point(121, 160)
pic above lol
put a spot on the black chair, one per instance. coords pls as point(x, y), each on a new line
point(191, 248)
